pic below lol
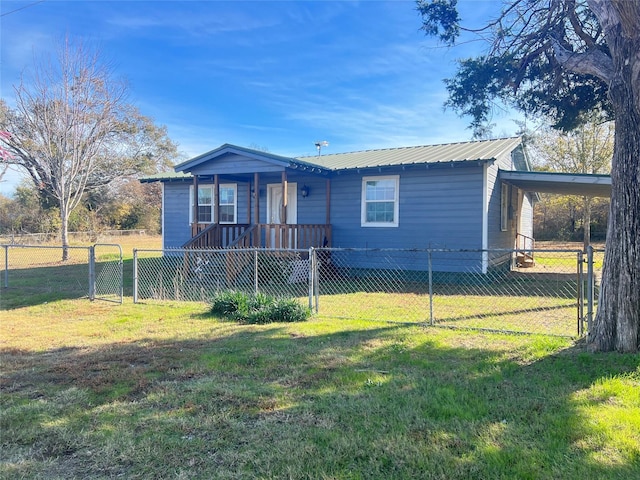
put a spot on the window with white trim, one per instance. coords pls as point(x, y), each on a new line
point(380, 204)
point(228, 210)
point(228, 206)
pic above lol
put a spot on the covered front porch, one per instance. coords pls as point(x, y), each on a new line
point(249, 199)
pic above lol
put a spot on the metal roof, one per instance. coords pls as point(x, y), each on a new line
point(452, 152)
point(227, 149)
point(166, 176)
point(586, 184)
point(485, 150)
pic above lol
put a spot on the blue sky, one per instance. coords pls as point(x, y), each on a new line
point(274, 75)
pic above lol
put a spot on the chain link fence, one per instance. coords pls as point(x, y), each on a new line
point(40, 273)
point(198, 274)
point(485, 289)
point(470, 289)
point(554, 294)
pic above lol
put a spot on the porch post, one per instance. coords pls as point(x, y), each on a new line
point(256, 189)
point(216, 194)
point(285, 193)
point(249, 202)
point(194, 220)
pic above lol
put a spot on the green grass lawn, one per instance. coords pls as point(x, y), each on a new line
point(97, 390)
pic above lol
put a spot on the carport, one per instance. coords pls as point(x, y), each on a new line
point(584, 184)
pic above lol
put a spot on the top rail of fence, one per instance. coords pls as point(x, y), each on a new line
point(365, 249)
point(219, 250)
point(43, 247)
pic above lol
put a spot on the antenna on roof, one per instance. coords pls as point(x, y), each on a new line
point(321, 144)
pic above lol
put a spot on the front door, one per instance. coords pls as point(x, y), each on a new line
point(278, 236)
point(274, 203)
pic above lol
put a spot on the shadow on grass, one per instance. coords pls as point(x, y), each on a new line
point(34, 286)
point(277, 401)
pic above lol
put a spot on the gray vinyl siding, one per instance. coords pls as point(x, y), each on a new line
point(438, 208)
point(234, 165)
point(496, 237)
point(177, 230)
point(526, 222)
point(311, 209)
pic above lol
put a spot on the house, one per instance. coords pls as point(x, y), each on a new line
point(447, 196)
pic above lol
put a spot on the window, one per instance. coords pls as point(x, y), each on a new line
point(205, 204)
point(504, 207)
point(228, 206)
point(380, 201)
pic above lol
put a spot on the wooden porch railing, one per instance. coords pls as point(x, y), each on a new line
point(262, 235)
point(214, 235)
point(525, 246)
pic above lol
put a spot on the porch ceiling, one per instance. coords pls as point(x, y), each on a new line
point(589, 185)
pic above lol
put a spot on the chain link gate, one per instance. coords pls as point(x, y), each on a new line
point(105, 273)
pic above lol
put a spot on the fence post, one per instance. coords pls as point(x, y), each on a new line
point(316, 280)
point(121, 275)
point(135, 276)
point(430, 289)
point(590, 287)
point(6, 266)
point(92, 273)
point(256, 283)
point(310, 278)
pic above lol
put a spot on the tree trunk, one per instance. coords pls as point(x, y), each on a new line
point(64, 231)
point(617, 322)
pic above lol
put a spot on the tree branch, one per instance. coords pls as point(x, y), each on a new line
point(593, 62)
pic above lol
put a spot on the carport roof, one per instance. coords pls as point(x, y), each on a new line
point(584, 184)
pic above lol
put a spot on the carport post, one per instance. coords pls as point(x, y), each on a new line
point(590, 285)
point(430, 290)
point(580, 294)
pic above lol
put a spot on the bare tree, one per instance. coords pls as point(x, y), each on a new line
point(4, 156)
point(72, 130)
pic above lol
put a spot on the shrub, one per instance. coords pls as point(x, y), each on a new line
point(257, 308)
point(288, 310)
point(228, 304)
